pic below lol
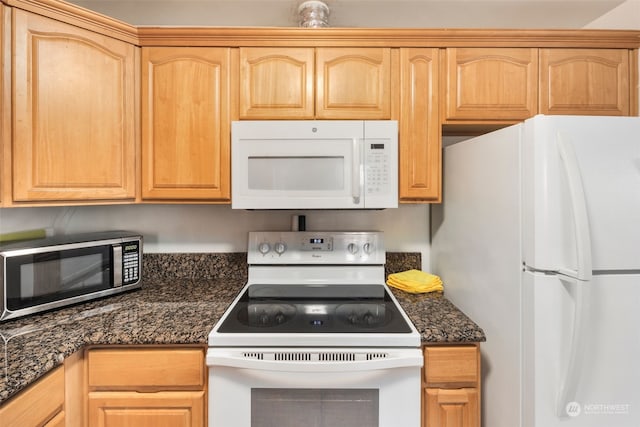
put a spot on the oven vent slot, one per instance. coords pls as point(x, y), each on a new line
point(292, 356)
point(316, 357)
point(257, 356)
point(374, 356)
point(336, 357)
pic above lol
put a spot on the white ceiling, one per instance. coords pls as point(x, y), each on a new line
point(362, 13)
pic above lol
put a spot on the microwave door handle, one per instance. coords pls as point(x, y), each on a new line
point(117, 266)
point(356, 172)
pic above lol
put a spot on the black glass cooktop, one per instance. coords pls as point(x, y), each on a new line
point(314, 314)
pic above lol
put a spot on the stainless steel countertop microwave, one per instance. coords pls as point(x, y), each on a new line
point(54, 272)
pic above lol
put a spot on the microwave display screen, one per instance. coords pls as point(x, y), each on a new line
point(377, 146)
point(41, 278)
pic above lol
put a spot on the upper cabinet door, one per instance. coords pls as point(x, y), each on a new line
point(353, 83)
point(74, 114)
point(276, 83)
point(491, 83)
point(185, 123)
point(584, 81)
point(420, 140)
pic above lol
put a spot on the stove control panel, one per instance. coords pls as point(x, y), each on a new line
point(316, 247)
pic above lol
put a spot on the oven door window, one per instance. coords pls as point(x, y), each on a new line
point(314, 407)
point(41, 278)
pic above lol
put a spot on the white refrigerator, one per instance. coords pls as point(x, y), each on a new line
point(538, 241)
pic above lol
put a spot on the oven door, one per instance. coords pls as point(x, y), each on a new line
point(314, 387)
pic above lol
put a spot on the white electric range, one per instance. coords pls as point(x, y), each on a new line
point(315, 338)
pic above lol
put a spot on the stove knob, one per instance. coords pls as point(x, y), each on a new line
point(280, 318)
point(264, 248)
point(352, 248)
point(368, 319)
point(280, 248)
point(353, 319)
point(367, 248)
point(264, 319)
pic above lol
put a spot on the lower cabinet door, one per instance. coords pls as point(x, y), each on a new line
point(451, 408)
point(57, 421)
point(160, 409)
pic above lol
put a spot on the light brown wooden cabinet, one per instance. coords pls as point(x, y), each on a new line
point(419, 126)
point(585, 81)
point(5, 103)
point(512, 84)
point(41, 404)
point(185, 123)
point(320, 83)
point(490, 83)
point(146, 387)
point(451, 386)
point(73, 94)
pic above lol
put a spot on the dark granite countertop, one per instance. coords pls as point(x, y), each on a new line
point(173, 307)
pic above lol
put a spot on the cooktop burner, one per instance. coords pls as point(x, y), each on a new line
point(322, 315)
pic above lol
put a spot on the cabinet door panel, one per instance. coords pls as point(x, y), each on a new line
point(276, 83)
point(36, 405)
point(74, 132)
point(584, 81)
point(419, 150)
point(353, 83)
point(491, 83)
point(185, 131)
point(452, 408)
point(161, 409)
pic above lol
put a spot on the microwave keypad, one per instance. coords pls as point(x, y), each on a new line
point(131, 262)
point(377, 171)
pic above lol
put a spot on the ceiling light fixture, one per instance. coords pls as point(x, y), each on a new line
point(313, 14)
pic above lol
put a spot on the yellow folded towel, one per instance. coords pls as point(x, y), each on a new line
point(415, 282)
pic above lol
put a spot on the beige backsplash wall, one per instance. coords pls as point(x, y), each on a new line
point(214, 228)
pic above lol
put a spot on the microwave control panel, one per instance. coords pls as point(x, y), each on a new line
point(378, 167)
point(130, 262)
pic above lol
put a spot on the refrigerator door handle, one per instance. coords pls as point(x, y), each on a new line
point(568, 388)
point(569, 385)
point(579, 209)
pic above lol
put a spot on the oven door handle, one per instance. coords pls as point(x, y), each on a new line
point(228, 360)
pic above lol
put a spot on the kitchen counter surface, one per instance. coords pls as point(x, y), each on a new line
point(171, 309)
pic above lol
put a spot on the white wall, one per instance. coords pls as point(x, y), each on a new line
point(360, 13)
point(209, 228)
point(624, 17)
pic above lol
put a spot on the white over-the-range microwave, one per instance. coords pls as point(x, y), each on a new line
point(314, 164)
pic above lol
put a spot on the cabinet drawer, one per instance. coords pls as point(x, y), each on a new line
point(146, 369)
point(451, 366)
point(37, 404)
